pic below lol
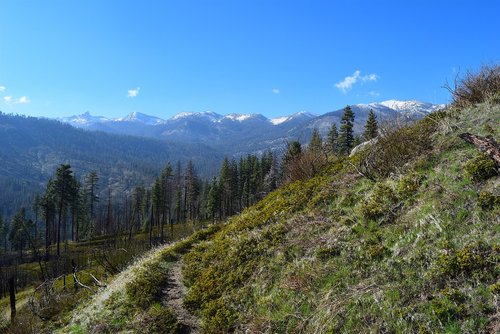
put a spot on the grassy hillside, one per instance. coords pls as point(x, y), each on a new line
point(413, 247)
point(417, 250)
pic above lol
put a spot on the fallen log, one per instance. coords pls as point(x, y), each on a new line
point(487, 145)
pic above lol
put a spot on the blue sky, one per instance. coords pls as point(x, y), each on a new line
point(275, 57)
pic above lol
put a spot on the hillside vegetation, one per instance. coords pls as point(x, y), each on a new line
point(413, 247)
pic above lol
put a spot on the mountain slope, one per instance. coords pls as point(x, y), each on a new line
point(417, 250)
point(32, 149)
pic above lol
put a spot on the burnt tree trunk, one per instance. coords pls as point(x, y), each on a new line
point(487, 145)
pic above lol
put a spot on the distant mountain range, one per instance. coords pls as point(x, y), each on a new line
point(243, 133)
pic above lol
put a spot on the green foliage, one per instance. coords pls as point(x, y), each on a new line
point(487, 200)
point(332, 140)
point(147, 285)
point(219, 317)
point(371, 126)
point(396, 147)
point(21, 231)
point(480, 167)
point(473, 260)
point(380, 203)
point(160, 319)
point(316, 142)
point(325, 253)
point(346, 135)
point(408, 184)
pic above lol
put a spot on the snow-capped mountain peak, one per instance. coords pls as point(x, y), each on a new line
point(84, 119)
point(407, 108)
point(210, 115)
point(411, 106)
point(297, 115)
point(244, 117)
point(238, 117)
point(280, 120)
point(141, 118)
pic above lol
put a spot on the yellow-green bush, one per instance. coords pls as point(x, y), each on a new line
point(487, 200)
point(473, 260)
point(325, 253)
point(161, 319)
point(480, 167)
point(408, 184)
point(218, 316)
point(147, 285)
point(379, 203)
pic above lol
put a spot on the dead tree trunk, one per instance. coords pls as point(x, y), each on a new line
point(12, 293)
point(487, 145)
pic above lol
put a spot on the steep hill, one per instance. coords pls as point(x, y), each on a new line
point(411, 246)
point(32, 148)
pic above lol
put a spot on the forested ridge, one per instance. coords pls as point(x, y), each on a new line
point(32, 149)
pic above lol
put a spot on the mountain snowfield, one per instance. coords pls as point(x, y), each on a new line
point(86, 120)
point(244, 133)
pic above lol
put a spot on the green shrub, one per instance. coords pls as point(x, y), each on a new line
point(495, 288)
point(487, 200)
point(473, 260)
point(219, 318)
point(161, 319)
point(325, 253)
point(446, 310)
point(377, 252)
point(379, 203)
point(408, 185)
point(147, 285)
point(396, 146)
point(480, 168)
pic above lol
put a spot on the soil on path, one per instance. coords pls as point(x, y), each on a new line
point(174, 297)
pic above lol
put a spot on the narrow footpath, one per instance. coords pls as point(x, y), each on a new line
point(174, 297)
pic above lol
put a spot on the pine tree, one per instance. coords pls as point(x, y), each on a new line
point(346, 136)
point(293, 152)
point(165, 199)
point(294, 149)
point(48, 211)
point(316, 143)
point(332, 140)
point(20, 230)
point(64, 192)
point(371, 126)
point(91, 187)
point(3, 234)
point(213, 201)
point(192, 190)
point(225, 187)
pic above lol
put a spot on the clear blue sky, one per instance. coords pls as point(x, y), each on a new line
point(275, 57)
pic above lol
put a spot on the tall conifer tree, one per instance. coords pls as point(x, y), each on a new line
point(346, 136)
point(371, 126)
point(332, 139)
